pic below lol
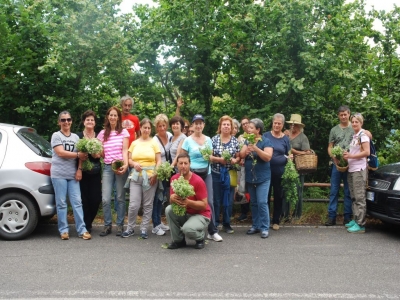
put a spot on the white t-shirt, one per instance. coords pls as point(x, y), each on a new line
point(357, 164)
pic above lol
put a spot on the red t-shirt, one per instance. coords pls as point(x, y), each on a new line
point(200, 191)
point(130, 123)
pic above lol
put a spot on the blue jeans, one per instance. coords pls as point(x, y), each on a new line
point(108, 181)
point(62, 188)
point(259, 204)
point(158, 204)
point(218, 194)
point(336, 178)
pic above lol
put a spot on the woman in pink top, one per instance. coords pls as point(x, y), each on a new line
point(115, 147)
point(357, 174)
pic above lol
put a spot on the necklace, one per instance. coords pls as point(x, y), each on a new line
point(88, 136)
point(278, 136)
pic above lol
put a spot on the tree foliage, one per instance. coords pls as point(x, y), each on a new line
point(237, 57)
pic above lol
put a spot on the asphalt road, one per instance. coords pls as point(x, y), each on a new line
point(293, 263)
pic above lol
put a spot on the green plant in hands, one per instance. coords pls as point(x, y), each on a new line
point(91, 146)
point(206, 152)
point(226, 155)
point(183, 189)
point(250, 137)
point(164, 171)
point(337, 151)
point(116, 164)
point(290, 181)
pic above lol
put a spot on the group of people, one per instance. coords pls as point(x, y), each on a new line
point(254, 165)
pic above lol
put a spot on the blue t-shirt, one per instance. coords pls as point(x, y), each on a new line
point(261, 171)
point(192, 148)
point(281, 148)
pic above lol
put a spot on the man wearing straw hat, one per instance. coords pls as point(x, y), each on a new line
point(300, 145)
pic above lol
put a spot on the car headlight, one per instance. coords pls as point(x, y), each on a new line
point(396, 186)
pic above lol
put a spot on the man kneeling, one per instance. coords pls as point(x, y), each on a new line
point(194, 223)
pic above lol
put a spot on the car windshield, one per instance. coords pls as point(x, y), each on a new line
point(35, 142)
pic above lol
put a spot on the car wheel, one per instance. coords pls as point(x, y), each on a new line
point(18, 216)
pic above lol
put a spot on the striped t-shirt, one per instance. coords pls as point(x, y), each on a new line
point(113, 146)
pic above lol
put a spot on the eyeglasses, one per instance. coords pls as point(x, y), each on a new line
point(187, 127)
point(245, 123)
point(65, 120)
point(356, 115)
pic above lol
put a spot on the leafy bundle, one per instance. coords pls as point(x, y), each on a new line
point(206, 152)
point(183, 189)
point(91, 146)
point(164, 171)
point(116, 164)
point(226, 155)
point(337, 151)
point(251, 138)
point(290, 181)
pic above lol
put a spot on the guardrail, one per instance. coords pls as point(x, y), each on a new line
point(321, 185)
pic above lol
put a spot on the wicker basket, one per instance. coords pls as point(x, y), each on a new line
point(342, 169)
point(306, 163)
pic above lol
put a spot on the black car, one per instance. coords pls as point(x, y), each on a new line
point(383, 194)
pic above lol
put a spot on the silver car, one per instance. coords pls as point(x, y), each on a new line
point(26, 192)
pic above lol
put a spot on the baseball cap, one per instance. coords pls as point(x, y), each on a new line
point(198, 117)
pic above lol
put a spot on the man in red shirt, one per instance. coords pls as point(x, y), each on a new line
point(193, 225)
point(129, 122)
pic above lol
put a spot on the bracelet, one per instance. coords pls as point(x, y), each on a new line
point(80, 169)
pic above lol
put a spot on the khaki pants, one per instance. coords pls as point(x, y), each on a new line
point(192, 227)
point(357, 183)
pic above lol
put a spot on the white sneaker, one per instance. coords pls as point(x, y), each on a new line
point(158, 231)
point(164, 227)
point(216, 237)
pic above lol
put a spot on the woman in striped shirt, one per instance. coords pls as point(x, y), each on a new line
point(115, 141)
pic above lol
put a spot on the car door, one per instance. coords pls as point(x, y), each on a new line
point(3, 145)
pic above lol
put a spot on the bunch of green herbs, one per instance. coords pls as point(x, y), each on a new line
point(290, 181)
point(164, 171)
point(183, 189)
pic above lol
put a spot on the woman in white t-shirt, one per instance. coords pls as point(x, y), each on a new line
point(115, 141)
point(163, 139)
point(65, 176)
point(357, 174)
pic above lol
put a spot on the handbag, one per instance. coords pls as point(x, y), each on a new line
point(233, 176)
point(202, 172)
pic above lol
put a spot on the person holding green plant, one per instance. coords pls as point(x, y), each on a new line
point(144, 158)
point(339, 136)
point(357, 174)
point(65, 177)
point(225, 156)
point(115, 153)
point(193, 145)
point(257, 152)
point(91, 179)
point(300, 145)
point(281, 145)
point(163, 139)
point(193, 223)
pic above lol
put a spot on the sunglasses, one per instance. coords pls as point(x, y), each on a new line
point(66, 120)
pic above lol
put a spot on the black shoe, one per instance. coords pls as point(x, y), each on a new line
point(199, 244)
point(176, 245)
point(228, 229)
point(330, 222)
point(345, 221)
point(252, 230)
point(106, 231)
point(242, 217)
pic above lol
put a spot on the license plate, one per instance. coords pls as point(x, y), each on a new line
point(370, 196)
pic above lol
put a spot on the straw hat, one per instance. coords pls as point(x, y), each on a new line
point(295, 119)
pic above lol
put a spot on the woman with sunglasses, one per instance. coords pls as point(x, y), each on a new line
point(65, 177)
point(115, 141)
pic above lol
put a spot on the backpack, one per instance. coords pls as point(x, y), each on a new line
point(372, 159)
